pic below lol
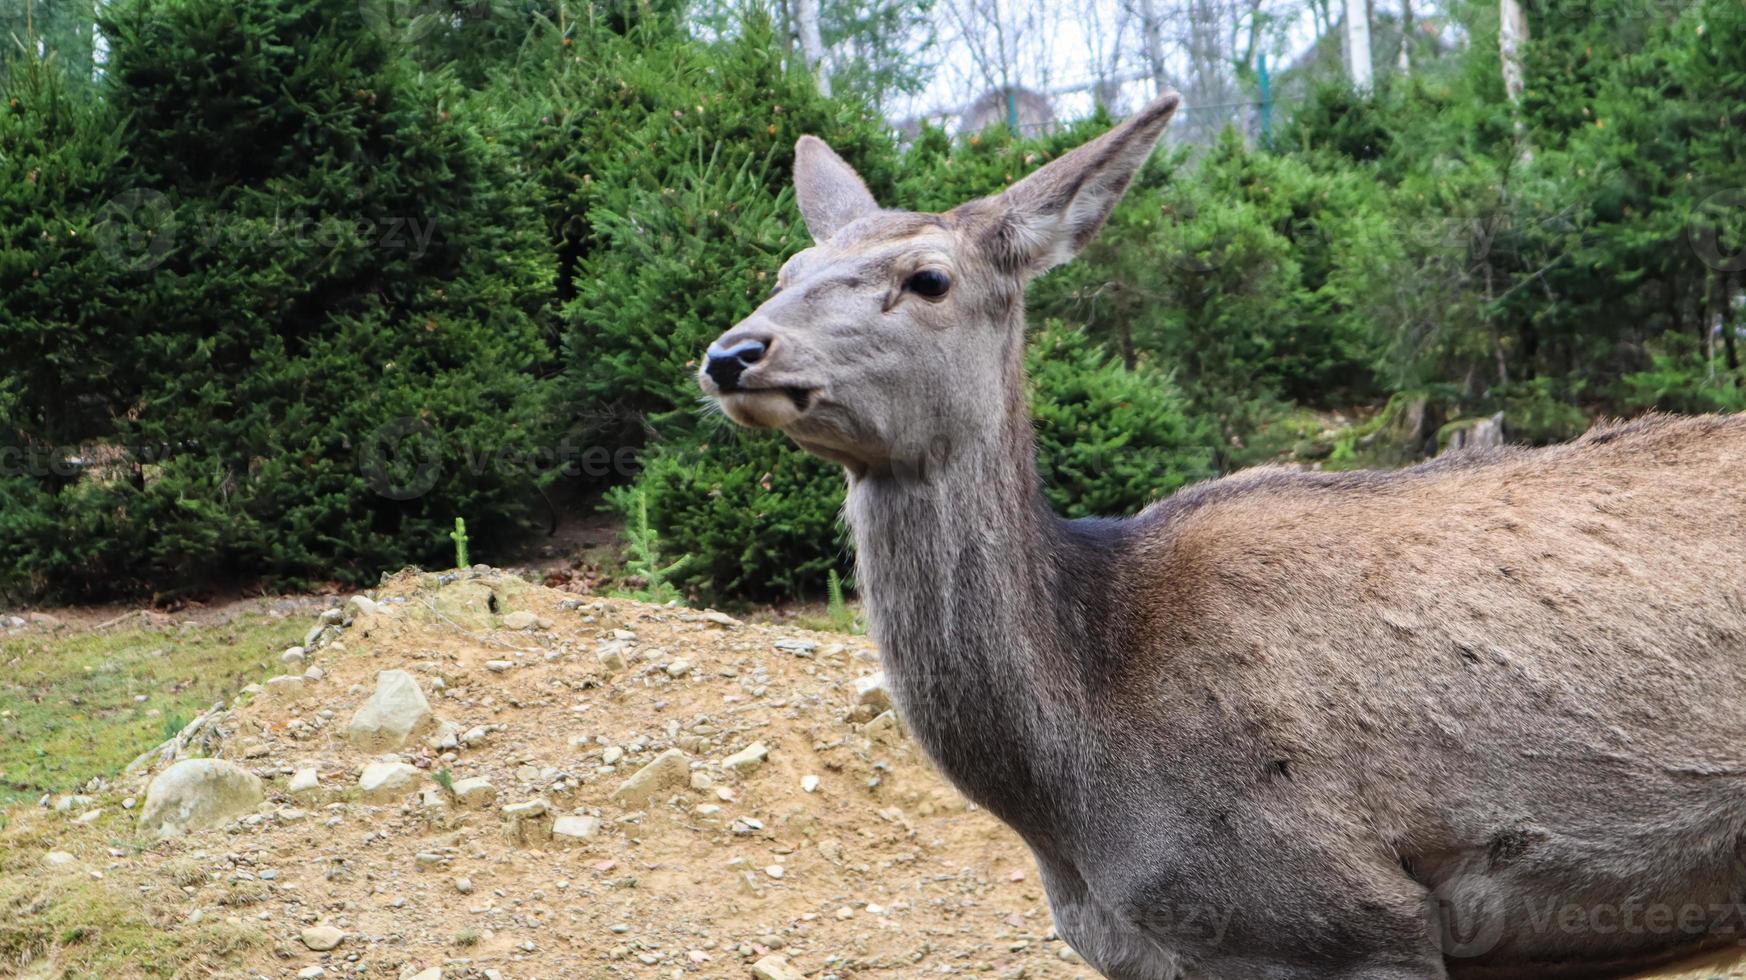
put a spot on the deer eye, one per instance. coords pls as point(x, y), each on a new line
point(931, 283)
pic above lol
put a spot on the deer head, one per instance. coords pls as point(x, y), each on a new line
point(898, 332)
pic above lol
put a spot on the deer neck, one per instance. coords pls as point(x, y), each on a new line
point(985, 604)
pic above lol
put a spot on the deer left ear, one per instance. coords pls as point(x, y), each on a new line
point(828, 190)
point(1048, 217)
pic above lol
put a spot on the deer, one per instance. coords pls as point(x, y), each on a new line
point(1483, 718)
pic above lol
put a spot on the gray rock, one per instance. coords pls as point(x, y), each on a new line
point(359, 605)
point(575, 828)
point(774, 967)
point(669, 771)
point(873, 692)
point(499, 666)
point(292, 656)
point(611, 654)
point(383, 781)
point(197, 793)
point(393, 713)
point(475, 792)
point(530, 808)
point(323, 938)
point(521, 619)
point(748, 759)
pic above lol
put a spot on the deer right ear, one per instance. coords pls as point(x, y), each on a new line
point(828, 190)
point(1046, 218)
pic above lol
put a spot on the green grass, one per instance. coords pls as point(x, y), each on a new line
point(67, 708)
point(86, 928)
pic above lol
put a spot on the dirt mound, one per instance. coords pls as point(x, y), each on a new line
point(784, 822)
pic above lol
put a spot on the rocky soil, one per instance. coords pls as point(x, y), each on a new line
point(465, 775)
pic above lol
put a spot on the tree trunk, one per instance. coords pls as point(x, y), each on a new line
point(1728, 326)
point(1358, 44)
point(811, 44)
point(1512, 34)
point(1404, 61)
point(1152, 32)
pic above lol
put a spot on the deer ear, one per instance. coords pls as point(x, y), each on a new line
point(1046, 218)
point(829, 191)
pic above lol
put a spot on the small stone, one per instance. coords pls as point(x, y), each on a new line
point(809, 783)
point(679, 668)
point(873, 692)
point(612, 754)
point(386, 780)
point(311, 973)
point(314, 673)
point(292, 656)
point(89, 816)
point(775, 871)
point(434, 973)
point(611, 654)
point(668, 771)
point(521, 619)
point(323, 938)
point(775, 967)
point(475, 736)
point(499, 666)
point(475, 792)
point(747, 759)
point(575, 828)
point(58, 859)
point(884, 728)
point(393, 713)
point(305, 780)
point(359, 605)
point(531, 808)
point(720, 618)
point(800, 648)
point(464, 885)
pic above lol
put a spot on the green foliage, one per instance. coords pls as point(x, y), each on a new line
point(444, 779)
point(662, 168)
point(646, 563)
point(758, 517)
point(1109, 440)
point(323, 320)
point(842, 618)
point(459, 536)
point(1680, 378)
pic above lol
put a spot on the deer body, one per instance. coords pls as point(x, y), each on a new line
point(1481, 718)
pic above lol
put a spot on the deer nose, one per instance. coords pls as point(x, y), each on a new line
point(727, 361)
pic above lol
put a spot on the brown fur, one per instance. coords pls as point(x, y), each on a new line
point(1463, 720)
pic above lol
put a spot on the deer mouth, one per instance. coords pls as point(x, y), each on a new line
point(767, 408)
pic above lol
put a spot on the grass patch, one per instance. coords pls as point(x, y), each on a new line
point(84, 928)
point(67, 705)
